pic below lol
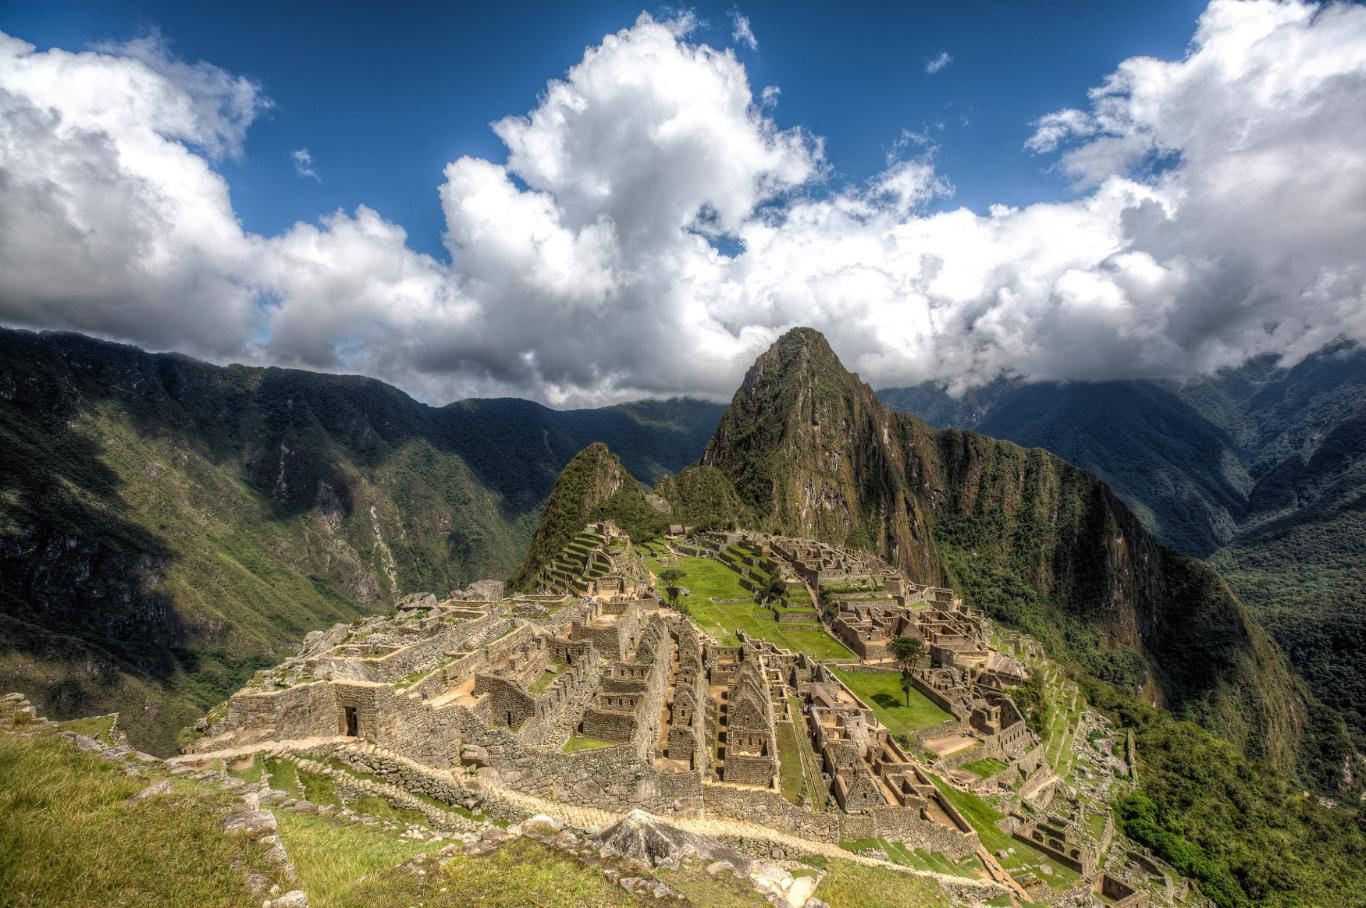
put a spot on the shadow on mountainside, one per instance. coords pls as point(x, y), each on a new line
point(74, 574)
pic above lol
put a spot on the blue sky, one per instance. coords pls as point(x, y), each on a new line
point(1095, 191)
point(383, 95)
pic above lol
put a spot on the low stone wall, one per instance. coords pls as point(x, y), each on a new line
point(748, 770)
point(428, 652)
point(606, 725)
point(905, 825)
point(937, 698)
point(773, 810)
point(418, 780)
point(303, 711)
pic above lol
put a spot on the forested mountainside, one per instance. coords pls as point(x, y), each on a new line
point(593, 486)
point(1262, 469)
point(1033, 540)
point(167, 527)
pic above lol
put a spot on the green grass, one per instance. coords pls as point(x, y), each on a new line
point(97, 727)
point(318, 788)
point(707, 579)
point(282, 774)
point(790, 763)
point(986, 768)
point(375, 806)
point(70, 836)
point(982, 817)
point(918, 858)
point(725, 890)
point(252, 772)
point(882, 691)
point(583, 742)
point(543, 681)
point(519, 873)
point(850, 885)
point(332, 857)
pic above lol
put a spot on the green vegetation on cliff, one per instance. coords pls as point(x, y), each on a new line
point(703, 498)
point(1241, 829)
point(168, 527)
point(592, 487)
point(1262, 467)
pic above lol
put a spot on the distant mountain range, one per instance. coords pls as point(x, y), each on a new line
point(167, 527)
point(1261, 469)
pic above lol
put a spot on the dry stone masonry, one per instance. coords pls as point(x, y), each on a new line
point(589, 692)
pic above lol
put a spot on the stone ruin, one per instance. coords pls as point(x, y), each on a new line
point(588, 692)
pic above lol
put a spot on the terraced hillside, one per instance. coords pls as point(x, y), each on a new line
point(167, 527)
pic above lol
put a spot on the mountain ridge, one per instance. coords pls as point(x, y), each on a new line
point(167, 527)
point(1032, 539)
point(1260, 468)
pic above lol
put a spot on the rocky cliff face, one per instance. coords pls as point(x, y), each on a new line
point(1028, 537)
point(812, 452)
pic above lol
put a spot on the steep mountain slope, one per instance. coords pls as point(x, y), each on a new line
point(1032, 539)
point(809, 449)
point(167, 527)
point(1262, 467)
point(1178, 472)
point(593, 486)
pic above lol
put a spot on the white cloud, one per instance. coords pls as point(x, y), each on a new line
point(303, 164)
point(938, 62)
point(741, 31)
point(1219, 216)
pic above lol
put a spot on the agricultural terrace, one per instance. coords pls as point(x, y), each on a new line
point(717, 601)
point(882, 691)
point(1021, 860)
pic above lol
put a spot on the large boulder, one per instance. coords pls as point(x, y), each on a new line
point(651, 841)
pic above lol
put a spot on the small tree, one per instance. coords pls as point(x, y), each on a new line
point(907, 651)
point(773, 591)
point(671, 576)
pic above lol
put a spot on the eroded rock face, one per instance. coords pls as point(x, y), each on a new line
point(645, 838)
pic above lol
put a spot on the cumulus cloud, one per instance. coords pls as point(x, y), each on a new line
point(937, 62)
point(741, 32)
point(303, 164)
point(653, 228)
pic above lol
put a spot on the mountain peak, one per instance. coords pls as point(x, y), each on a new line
point(800, 351)
point(812, 452)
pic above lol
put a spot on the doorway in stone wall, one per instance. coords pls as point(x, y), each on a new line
point(352, 724)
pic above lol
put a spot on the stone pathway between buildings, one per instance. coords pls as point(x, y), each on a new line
point(592, 819)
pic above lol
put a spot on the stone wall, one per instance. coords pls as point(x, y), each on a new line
point(428, 652)
point(905, 825)
point(425, 734)
point(608, 725)
point(303, 711)
point(936, 697)
point(743, 769)
point(508, 704)
point(773, 810)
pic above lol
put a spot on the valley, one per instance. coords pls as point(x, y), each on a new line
point(859, 644)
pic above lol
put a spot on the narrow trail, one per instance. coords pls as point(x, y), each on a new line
point(592, 819)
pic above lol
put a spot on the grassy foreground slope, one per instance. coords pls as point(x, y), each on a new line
point(70, 835)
